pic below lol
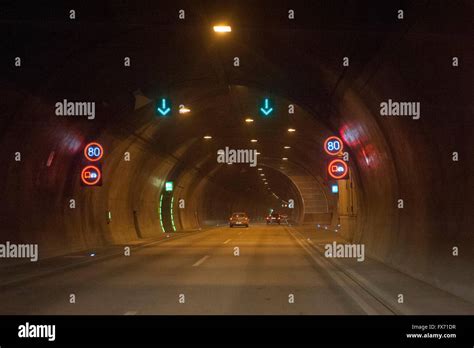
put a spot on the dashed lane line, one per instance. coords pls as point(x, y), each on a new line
point(201, 260)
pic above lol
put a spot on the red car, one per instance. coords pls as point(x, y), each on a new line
point(273, 218)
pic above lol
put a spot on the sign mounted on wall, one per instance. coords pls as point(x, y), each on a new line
point(93, 152)
point(333, 145)
point(91, 172)
point(91, 176)
point(168, 186)
point(338, 169)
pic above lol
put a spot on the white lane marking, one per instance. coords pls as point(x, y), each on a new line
point(227, 241)
point(201, 260)
point(96, 259)
point(130, 313)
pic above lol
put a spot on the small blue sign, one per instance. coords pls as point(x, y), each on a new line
point(334, 188)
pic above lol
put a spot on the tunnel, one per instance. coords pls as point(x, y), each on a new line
point(408, 195)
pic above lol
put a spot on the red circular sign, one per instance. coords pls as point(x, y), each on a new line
point(93, 152)
point(91, 175)
point(333, 145)
point(337, 169)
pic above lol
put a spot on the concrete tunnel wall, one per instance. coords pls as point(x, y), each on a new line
point(390, 158)
point(36, 195)
point(400, 158)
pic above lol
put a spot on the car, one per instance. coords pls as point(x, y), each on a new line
point(273, 218)
point(239, 219)
point(284, 218)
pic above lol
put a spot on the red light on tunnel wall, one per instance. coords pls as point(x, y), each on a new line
point(333, 145)
point(338, 169)
point(91, 175)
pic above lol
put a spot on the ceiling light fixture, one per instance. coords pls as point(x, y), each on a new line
point(184, 110)
point(222, 28)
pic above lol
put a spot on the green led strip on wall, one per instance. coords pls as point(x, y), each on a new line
point(172, 217)
point(161, 213)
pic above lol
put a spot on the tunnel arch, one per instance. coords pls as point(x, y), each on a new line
point(391, 158)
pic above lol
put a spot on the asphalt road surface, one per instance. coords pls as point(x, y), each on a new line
point(275, 272)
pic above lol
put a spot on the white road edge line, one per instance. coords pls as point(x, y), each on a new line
point(367, 308)
point(373, 288)
point(227, 241)
point(201, 260)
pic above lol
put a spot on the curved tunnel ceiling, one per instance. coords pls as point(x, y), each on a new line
point(300, 64)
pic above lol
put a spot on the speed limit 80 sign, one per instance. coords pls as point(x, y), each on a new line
point(333, 145)
point(91, 172)
point(93, 152)
point(337, 168)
